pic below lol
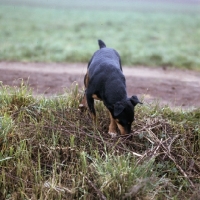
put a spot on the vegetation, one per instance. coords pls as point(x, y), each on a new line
point(144, 33)
point(50, 150)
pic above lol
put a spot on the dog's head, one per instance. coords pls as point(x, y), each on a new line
point(123, 113)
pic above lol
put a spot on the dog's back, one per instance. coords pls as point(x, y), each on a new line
point(105, 56)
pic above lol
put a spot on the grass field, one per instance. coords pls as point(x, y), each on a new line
point(49, 150)
point(144, 33)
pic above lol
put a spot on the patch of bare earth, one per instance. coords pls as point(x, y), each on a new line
point(170, 86)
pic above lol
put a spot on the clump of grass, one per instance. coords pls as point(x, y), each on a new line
point(51, 150)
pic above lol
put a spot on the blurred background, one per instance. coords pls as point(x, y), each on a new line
point(150, 33)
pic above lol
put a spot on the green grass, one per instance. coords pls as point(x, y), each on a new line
point(152, 34)
point(50, 150)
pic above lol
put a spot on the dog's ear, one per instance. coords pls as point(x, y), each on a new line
point(118, 108)
point(134, 100)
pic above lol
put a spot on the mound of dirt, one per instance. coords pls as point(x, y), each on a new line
point(170, 86)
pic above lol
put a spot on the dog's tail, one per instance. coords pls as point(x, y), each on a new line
point(101, 44)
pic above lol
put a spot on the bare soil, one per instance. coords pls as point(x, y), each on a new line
point(170, 86)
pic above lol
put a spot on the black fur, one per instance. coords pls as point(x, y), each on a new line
point(101, 44)
point(107, 82)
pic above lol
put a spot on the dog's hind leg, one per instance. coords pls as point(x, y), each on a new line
point(90, 102)
point(83, 104)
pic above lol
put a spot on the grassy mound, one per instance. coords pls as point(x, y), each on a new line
point(50, 150)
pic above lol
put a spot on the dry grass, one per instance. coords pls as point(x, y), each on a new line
point(50, 150)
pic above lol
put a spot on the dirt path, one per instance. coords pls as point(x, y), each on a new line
point(170, 86)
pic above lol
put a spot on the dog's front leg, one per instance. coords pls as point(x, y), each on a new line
point(112, 127)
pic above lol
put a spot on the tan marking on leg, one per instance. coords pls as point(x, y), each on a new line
point(83, 103)
point(94, 96)
point(121, 128)
point(86, 79)
point(112, 127)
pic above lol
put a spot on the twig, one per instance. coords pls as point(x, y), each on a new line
point(99, 193)
point(172, 141)
point(167, 150)
point(178, 166)
point(154, 152)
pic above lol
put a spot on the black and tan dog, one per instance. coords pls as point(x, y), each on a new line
point(105, 81)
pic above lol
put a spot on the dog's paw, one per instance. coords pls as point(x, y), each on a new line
point(113, 135)
point(82, 107)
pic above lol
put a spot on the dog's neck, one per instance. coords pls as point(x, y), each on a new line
point(115, 96)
